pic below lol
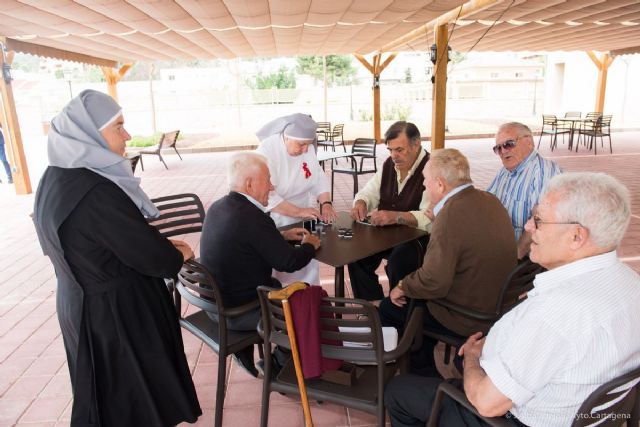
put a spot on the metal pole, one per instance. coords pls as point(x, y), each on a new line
point(324, 73)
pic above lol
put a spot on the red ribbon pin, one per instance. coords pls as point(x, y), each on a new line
point(307, 172)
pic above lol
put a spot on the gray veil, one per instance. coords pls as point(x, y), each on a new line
point(76, 142)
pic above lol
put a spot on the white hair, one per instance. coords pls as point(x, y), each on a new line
point(597, 201)
point(242, 166)
point(451, 165)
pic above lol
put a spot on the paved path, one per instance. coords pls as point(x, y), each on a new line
point(34, 381)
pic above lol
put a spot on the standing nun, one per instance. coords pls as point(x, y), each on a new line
point(301, 186)
point(120, 329)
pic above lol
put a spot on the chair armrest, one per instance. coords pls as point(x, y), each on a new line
point(458, 395)
point(242, 309)
point(464, 310)
point(413, 327)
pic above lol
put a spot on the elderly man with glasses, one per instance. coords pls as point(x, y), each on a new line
point(576, 330)
point(520, 181)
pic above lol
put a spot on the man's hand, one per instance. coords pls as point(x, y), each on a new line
point(294, 234)
point(359, 210)
point(397, 296)
point(383, 217)
point(473, 347)
point(312, 239)
point(184, 248)
point(428, 212)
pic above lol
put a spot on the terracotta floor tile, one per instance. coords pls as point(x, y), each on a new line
point(27, 387)
point(12, 409)
point(45, 409)
point(59, 386)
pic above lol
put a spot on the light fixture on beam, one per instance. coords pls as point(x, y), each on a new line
point(434, 53)
point(6, 73)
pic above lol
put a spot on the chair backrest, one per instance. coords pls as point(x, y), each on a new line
point(355, 313)
point(606, 120)
point(337, 129)
point(325, 126)
point(179, 214)
point(549, 119)
point(134, 162)
point(572, 115)
point(518, 282)
point(168, 139)
point(365, 147)
point(611, 403)
point(593, 115)
point(196, 285)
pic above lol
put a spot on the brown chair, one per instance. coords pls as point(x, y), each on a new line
point(167, 140)
point(134, 159)
point(323, 133)
point(196, 285)
point(362, 149)
point(572, 115)
point(611, 404)
point(519, 281)
point(592, 129)
point(334, 138)
point(553, 127)
point(366, 393)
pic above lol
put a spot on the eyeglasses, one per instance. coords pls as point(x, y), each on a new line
point(507, 145)
point(537, 222)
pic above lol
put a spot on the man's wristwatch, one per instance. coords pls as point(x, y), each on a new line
point(328, 202)
point(399, 218)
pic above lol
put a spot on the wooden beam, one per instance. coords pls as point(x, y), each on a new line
point(388, 61)
point(459, 12)
point(364, 62)
point(439, 103)
point(376, 98)
point(113, 77)
point(51, 52)
point(11, 130)
point(603, 65)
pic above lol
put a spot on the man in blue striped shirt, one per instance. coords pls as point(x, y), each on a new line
point(520, 181)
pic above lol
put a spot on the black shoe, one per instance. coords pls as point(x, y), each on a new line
point(275, 367)
point(244, 359)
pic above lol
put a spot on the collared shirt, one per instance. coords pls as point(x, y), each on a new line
point(370, 194)
point(447, 196)
point(577, 329)
point(259, 205)
point(519, 190)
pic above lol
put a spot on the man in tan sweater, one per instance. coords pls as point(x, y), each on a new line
point(470, 253)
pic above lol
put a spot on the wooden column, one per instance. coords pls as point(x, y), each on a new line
point(11, 129)
point(439, 103)
point(376, 69)
point(113, 77)
point(603, 68)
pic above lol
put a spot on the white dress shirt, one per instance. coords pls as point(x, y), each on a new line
point(577, 329)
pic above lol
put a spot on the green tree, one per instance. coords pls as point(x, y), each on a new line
point(283, 79)
point(28, 63)
point(340, 69)
point(407, 75)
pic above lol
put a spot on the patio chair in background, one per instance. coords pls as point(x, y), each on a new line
point(611, 404)
point(591, 129)
point(322, 132)
point(366, 393)
point(572, 115)
point(196, 285)
point(167, 140)
point(553, 127)
point(362, 149)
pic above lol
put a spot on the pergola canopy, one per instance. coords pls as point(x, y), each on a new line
point(125, 31)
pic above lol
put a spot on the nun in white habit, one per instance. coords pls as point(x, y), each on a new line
point(301, 188)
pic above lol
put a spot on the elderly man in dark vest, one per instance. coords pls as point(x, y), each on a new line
point(395, 195)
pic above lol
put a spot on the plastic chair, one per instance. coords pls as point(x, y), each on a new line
point(611, 404)
point(362, 149)
point(518, 282)
point(600, 127)
point(196, 285)
point(553, 127)
point(323, 133)
point(366, 393)
point(167, 140)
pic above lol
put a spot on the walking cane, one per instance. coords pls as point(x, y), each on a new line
point(283, 295)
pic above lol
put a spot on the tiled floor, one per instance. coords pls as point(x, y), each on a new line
point(34, 384)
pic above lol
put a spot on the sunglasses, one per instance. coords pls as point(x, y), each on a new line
point(507, 145)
